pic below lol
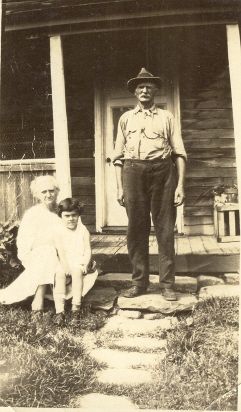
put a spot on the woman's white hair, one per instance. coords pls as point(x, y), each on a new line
point(41, 181)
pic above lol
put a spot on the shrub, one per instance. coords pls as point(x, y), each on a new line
point(10, 266)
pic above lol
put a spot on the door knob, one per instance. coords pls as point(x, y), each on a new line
point(108, 160)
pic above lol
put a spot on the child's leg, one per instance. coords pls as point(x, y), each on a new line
point(38, 300)
point(59, 291)
point(77, 287)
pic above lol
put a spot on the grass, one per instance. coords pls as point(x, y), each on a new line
point(201, 368)
point(48, 366)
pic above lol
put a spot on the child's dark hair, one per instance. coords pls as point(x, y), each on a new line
point(70, 205)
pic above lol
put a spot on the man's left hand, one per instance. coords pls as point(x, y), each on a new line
point(179, 196)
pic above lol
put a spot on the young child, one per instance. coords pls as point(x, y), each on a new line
point(74, 251)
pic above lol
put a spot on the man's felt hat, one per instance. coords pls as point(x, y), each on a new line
point(143, 76)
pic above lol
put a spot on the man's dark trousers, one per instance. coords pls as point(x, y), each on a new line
point(149, 187)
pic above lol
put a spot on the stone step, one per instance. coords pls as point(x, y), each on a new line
point(219, 291)
point(124, 376)
point(122, 359)
point(154, 302)
point(182, 283)
point(101, 402)
point(141, 343)
point(139, 326)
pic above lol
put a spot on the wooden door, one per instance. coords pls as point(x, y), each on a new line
point(110, 105)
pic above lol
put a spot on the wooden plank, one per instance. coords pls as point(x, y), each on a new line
point(204, 114)
point(211, 152)
point(198, 211)
point(227, 207)
point(204, 143)
point(219, 162)
point(184, 263)
point(207, 263)
point(208, 133)
point(234, 58)
point(196, 245)
point(61, 144)
point(208, 123)
point(84, 162)
point(197, 201)
point(199, 230)
point(221, 225)
point(184, 246)
point(207, 182)
point(213, 102)
point(27, 168)
point(210, 245)
point(211, 172)
point(198, 220)
point(232, 224)
point(99, 165)
point(229, 239)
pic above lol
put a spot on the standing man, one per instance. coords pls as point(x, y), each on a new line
point(149, 159)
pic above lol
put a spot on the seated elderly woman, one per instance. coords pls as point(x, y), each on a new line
point(36, 248)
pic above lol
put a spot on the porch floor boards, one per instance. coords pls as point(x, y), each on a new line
point(194, 254)
point(184, 245)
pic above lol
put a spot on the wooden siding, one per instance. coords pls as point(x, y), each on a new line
point(15, 182)
point(207, 128)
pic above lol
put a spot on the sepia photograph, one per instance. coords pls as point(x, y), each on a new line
point(120, 180)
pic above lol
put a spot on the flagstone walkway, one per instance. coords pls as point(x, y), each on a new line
point(133, 340)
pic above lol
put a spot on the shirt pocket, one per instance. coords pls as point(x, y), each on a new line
point(132, 139)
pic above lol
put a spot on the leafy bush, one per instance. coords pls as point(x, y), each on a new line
point(10, 266)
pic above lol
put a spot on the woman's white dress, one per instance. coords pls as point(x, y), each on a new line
point(37, 252)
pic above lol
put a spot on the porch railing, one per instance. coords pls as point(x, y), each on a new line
point(15, 179)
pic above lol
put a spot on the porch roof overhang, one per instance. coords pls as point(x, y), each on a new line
point(68, 17)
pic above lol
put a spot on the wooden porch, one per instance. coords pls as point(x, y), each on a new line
point(196, 254)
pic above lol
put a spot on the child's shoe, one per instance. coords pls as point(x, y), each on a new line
point(59, 319)
point(75, 318)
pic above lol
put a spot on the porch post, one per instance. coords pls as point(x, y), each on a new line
point(61, 143)
point(1, 28)
point(234, 58)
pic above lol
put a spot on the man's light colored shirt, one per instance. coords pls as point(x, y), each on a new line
point(147, 134)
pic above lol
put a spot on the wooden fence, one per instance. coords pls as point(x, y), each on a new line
point(15, 179)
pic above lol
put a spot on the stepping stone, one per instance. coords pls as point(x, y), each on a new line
point(132, 314)
point(219, 291)
point(141, 343)
point(182, 283)
point(127, 377)
point(122, 359)
point(154, 302)
point(231, 278)
point(186, 284)
point(101, 298)
point(139, 326)
point(150, 316)
point(206, 280)
point(98, 401)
